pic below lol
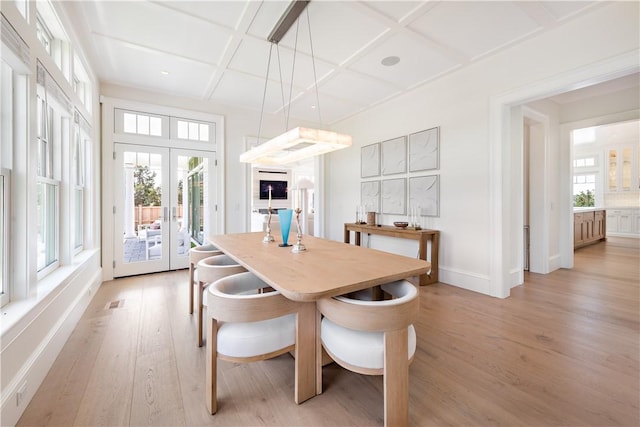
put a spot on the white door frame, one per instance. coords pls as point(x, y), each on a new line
point(502, 202)
point(109, 136)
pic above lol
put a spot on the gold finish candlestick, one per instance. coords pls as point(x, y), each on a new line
point(268, 238)
point(298, 246)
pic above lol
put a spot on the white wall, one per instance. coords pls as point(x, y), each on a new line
point(460, 104)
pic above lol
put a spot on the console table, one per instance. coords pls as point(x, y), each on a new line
point(422, 236)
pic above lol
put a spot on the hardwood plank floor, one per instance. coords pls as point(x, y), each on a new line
point(562, 350)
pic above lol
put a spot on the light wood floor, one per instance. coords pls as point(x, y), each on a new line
point(562, 350)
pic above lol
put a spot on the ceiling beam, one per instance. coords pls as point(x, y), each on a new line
point(287, 19)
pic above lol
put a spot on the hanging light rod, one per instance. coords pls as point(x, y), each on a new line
point(287, 19)
point(301, 142)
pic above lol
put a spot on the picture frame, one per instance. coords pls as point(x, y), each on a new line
point(424, 193)
point(424, 150)
point(370, 196)
point(370, 161)
point(394, 195)
point(394, 156)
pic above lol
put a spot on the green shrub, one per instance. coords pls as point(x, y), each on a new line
point(584, 199)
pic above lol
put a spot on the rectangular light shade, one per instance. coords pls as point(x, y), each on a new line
point(296, 144)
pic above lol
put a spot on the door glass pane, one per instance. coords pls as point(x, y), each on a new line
point(142, 206)
point(196, 199)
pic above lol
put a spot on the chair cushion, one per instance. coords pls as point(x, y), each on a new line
point(359, 348)
point(249, 339)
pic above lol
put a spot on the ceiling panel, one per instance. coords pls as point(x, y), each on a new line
point(163, 29)
point(223, 13)
point(331, 109)
point(395, 10)
point(357, 88)
point(252, 58)
point(141, 68)
point(564, 9)
point(247, 91)
point(475, 28)
point(418, 62)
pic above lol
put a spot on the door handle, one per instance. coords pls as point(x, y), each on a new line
point(165, 213)
point(174, 212)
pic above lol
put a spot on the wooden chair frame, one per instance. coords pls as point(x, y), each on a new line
point(392, 317)
point(196, 255)
point(224, 307)
point(211, 269)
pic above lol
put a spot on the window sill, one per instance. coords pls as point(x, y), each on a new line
point(15, 311)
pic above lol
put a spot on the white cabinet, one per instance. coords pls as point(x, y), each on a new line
point(624, 222)
point(622, 168)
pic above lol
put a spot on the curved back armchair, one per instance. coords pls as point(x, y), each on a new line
point(195, 255)
point(246, 325)
point(375, 338)
point(209, 270)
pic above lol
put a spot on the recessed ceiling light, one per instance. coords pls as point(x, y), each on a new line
point(164, 72)
point(313, 107)
point(389, 61)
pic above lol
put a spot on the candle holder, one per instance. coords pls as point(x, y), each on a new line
point(268, 238)
point(298, 246)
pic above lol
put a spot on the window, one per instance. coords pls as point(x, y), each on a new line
point(81, 83)
point(23, 7)
point(584, 189)
point(47, 191)
point(44, 35)
point(78, 182)
point(193, 131)
point(45, 141)
point(584, 162)
point(51, 34)
point(142, 124)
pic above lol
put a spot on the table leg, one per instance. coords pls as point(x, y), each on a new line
point(432, 276)
point(396, 378)
point(435, 244)
point(347, 235)
point(306, 370)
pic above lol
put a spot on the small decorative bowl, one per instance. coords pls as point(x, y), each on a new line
point(401, 224)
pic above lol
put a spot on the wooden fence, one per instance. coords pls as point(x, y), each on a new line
point(148, 214)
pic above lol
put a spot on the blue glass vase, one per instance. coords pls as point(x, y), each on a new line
point(284, 215)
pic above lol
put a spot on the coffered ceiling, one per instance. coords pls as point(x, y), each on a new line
point(218, 50)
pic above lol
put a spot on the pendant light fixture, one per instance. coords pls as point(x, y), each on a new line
point(300, 142)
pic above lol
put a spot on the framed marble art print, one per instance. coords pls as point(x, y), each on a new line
point(370, 161)
point(424, 150)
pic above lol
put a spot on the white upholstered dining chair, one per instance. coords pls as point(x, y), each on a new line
point(375, 338)
point(248, 321)
point(209, 270)
point(195, 255)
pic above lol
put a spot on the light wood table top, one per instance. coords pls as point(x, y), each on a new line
point(327, 268)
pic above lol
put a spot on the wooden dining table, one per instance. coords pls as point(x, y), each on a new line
point(327, 268)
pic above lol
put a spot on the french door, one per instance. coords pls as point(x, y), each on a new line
point(164, 205)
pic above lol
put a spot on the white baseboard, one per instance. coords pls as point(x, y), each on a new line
point(36, 365)
point(555, 263)
point(465, 279)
